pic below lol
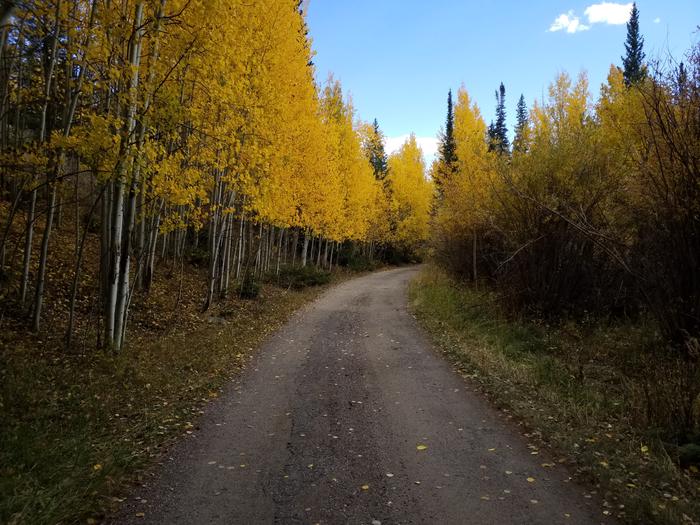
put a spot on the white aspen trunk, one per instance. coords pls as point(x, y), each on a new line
point(270, 245)
point(330, 261)
point(258, 254)
point(224, 257)
point(36, 313)
point(282, 235)
point(152, 246)
point(295, 247)
point(164, 242)
point(241, 242)
point(213, 241)
point(121, 240)
point(117, 214)
point(325, 255)
point(138, 186)
point(304, 249)
point(230, 258)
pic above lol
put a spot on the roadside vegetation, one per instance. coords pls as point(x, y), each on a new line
point(79, 427)
point(566, 272)
point(585, 389)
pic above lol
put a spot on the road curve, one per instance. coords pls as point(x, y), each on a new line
point(326, 424)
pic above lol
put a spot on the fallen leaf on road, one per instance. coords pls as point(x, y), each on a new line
point(530, 480)
point(421, 447)
point(365, 487)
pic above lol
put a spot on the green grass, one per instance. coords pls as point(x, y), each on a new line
point(578, 387)
point(75, 430)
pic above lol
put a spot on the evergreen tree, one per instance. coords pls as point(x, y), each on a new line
point(448, 147)
point(520, 140)
point(498, 131)
point(377, 155)
point(446, 165)
point(633, 61)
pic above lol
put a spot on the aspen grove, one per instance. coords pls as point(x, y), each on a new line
point(167, 127)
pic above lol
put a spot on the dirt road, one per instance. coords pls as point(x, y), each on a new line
point(349, 416)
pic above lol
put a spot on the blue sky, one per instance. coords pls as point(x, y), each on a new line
point(398, 58)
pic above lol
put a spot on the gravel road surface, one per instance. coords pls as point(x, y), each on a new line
point(348, 415)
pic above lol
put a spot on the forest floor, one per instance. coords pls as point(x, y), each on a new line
point(585, 390)
point(347, 415)
point(77, 425)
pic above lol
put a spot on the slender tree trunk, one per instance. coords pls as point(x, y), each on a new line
point(282, 234)
point(304, 249)
point(43, 258)
point(241, 247)
point(119, 271)
point(28, 241)
point(295, 246)
point(213, 241)
point(152, 248)
point(36, 313)
point(258, 254)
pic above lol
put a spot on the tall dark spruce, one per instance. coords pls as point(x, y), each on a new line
point(633, 61)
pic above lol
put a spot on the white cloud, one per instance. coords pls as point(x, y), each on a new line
point(429, 145)
point(604, 13)
point(608, 13)
point(657, 20)
point(569, 22)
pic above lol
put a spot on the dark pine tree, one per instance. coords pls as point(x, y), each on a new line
point(633, 61)
point(521, 117)
point(448, 147)
point(447, 154)
point(498, 131)
point(377, 155)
